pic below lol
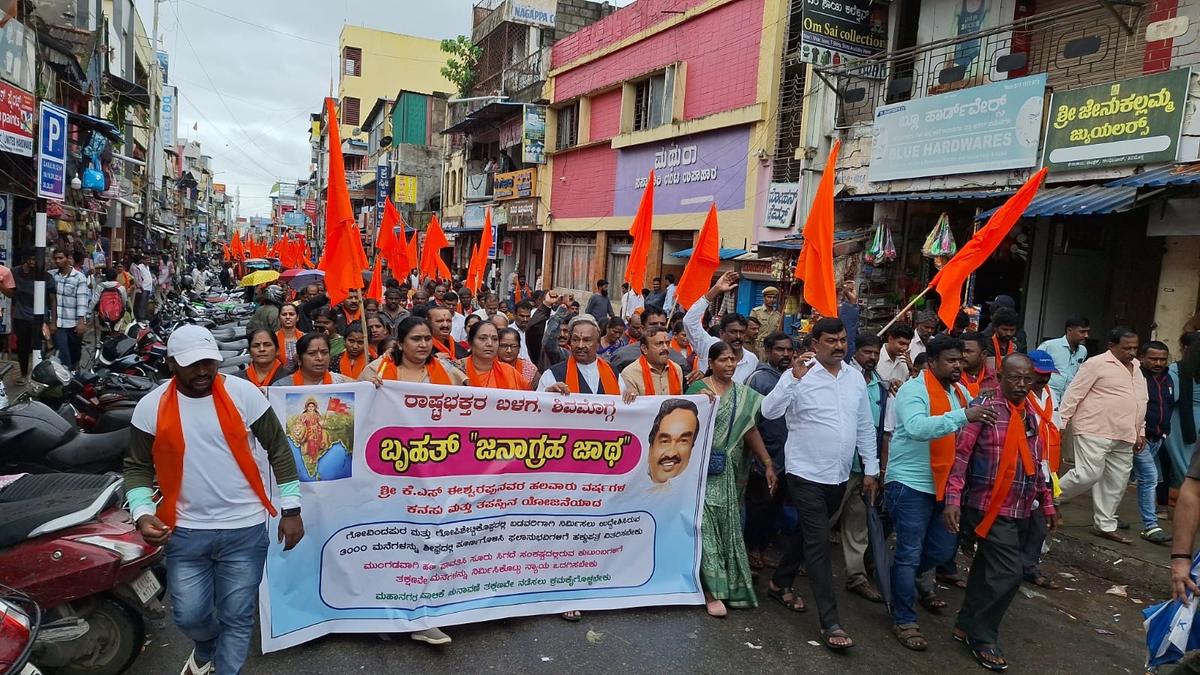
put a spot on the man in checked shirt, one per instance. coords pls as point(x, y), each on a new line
point(73, 297)
point(998, 467)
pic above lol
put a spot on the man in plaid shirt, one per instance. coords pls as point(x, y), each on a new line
point(1001, 476)
point(73, 296)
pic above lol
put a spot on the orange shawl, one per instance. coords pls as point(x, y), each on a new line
point(434, 370)
point(1015, 445)
point(298, 378)
point(351, 367)
point(941, 450)
point(449, 347)
point(999, 357)
point(608, 379)
point(283, 339)
point(974, 385)
point(501, 376)
point(169, 446)
point(252, 375)
point(1048, 430)
point(674, 386)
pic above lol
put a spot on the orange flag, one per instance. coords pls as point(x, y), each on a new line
point(344, 258)
point(948, 282)
point(375, 288)
point(479, 259)
point(432, 265)
point(706, 258)
point(225, 251)
point(393, 247)
point(236, 247)
point(640, 230)
point(815, 266)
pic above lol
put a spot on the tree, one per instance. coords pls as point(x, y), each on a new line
point(460, 67)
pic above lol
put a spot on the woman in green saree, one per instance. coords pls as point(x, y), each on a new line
point(724, 568)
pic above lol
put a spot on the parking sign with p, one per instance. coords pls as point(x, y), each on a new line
point(52, 152)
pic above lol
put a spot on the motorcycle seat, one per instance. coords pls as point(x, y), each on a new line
point(237, 345)
point(36, 504)
point(91, 452)
point(229, 353)
point(235, 361)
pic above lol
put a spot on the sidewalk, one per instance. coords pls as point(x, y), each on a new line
point(1141, 565)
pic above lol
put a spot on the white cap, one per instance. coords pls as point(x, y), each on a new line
point(189, 344)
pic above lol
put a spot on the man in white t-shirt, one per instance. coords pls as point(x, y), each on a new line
point(144, 281)
point(206, 440)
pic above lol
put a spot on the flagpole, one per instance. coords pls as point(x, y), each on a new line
point(903, 311)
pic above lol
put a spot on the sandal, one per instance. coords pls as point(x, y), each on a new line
point(755, 559)
point(1156, 535)
point(959, 635)
point(1046, 582)
point(795, 604)
point(951, 580)
point(866, 591)
point(835, 632)
point(716, 609)
point(910, 636)
point(981, 652)
point(573, 615)
point(932, 602)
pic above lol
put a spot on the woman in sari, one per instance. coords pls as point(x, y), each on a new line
point(613, 338)
point(312, 364)
point(510, 353)
point(412, 359)
point(288, 334)
point(1185, 375)
point(724, 567)
point(264, 358)
point(482, 367)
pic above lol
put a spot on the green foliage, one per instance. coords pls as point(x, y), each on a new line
point(460, 66)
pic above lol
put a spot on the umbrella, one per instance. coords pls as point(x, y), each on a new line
point(298, 278)
point(260, 277)
point(1171, 627)
point(877, 542)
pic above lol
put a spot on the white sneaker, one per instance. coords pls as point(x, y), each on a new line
point(193, 668)
point(432, 636)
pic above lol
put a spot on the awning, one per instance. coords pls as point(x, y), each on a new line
point(1172, 174)
point(726, 253)
point(489, 115)
point(1078, 200)
point(131, 91)
point(106, 128)
point(952, 195)
point(463, 230)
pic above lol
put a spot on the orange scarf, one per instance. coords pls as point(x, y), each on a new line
point(449, 347)
point(689, 354)
point(169, 446)
point(674, 386)
point(973, 385)
point(1015, 445)
point(501, 376)
point(351, 367)
point(351, 318)
point(282, 338)
point(941, 450)
point(1048, 430)
point(434, 370)
point(252, 375)
point(608, 379)
point(298, 378)
point(996, 350)
point(518, 295)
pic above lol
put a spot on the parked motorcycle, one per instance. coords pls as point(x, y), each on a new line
point(20, 617)
point(36, 438)
point(98, 401)
point(66, 544)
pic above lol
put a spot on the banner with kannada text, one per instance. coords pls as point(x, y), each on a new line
point(433, 506)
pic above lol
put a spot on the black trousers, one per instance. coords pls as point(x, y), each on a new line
point(762, 512)
point(995, 576)
point(815, 505)
point(1031, 545)
point(28, 338)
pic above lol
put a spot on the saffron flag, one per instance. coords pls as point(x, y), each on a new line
point(344, 258)
point(706, 258)
point(815, 266)
point(393, 246)
point(479, 259)
point(948, 282)
point(432, 265)
point(641, 231)
point(375, 288)
point(236, 247)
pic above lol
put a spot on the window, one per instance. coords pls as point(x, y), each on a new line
point(352, 61)
point(350, 111)
point(573, 261)
point(653, 100)
point(568, 126)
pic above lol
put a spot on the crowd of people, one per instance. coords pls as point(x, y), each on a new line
point(950, 438)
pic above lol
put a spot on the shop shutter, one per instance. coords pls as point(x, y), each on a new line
point(409, 120)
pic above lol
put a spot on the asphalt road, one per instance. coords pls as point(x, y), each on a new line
point(1068, 631)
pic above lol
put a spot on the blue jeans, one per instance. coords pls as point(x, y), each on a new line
point(922, 543)
point(1146, 474)
point(213, 577)
point(69, 345)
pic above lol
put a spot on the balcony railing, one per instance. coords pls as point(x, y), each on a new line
point(528, 72)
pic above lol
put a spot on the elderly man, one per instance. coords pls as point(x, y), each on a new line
point(768, 314)
point(1105, 409)
point(1069, 352)
point(581, 372)
point(653, 374)
point(994, 486)
point(732, 332)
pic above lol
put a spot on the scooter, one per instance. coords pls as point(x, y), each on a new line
point(20, 617)
point(98, 401)
point(35, 438)
point(66, 544)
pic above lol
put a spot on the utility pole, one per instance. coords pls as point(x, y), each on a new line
point(154, 152)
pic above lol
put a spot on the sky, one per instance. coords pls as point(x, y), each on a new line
point(250, 72)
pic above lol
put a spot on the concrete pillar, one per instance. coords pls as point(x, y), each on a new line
point(547, 262)
point(599, 261)
point(1178, 288)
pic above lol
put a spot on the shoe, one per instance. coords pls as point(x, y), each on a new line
point(432, 636)
point(21, 381)
point(193, 668)
point(1156, 535)
point(1122, 525)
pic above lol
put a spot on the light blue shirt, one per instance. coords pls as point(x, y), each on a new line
point(1066, 361)
point(908, 452)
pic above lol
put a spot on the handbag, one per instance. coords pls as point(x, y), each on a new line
point(718, 460)
point(93, 177)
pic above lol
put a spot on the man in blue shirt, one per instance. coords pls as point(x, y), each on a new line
point(762, 507)
point(918, 465)
point(1068, 352)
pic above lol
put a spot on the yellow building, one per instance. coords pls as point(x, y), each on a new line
point(377, 63)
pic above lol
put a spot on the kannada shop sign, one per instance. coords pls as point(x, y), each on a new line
point(781, 205)
point(533, 134)
point(434, 506)
point(834, 31)
point(1134, 121)
point(515, 184)
point(994, 127)
point(690, 172)
point(16, 120)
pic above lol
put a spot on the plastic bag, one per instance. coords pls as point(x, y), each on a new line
point(940, 242)
point(881, 250)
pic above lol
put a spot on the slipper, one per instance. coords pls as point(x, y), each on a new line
point(1044, 581)
point(959, 635)
point(951, 580)
point(979, 651)
point(836, 631)
point(932, 602)
point(910, 636)
point(796, 604)
point(716, 609)
point(573, 615)
point(1156, 535)
point(864, 590)
point(1112, 536)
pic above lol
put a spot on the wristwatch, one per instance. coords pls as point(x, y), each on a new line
point(288, 513)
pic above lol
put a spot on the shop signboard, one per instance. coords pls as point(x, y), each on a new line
point(835, 31)
point(383, 185)
point(52, 152)
point(6, 258)
point(515, 184)
point(533, 12)
point(167, 124)
point(406, 189)
point(522, 214)
point(294, 219)
point(781, 205)
point(690, 172)
point(16, 120)
point(993, 127)
point(1133, 121)
point(533, 134)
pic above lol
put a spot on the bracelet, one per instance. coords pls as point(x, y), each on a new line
point(1181, 556)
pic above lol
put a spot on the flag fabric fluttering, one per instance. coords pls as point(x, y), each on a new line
point(375, 288)
point(1171, 627)
point(706, 258)
point(236, 248)
point(344, 259)
point(641, 231)
point(432, 265)
point(815, 265)
point(479, 257)
point(949, 280)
